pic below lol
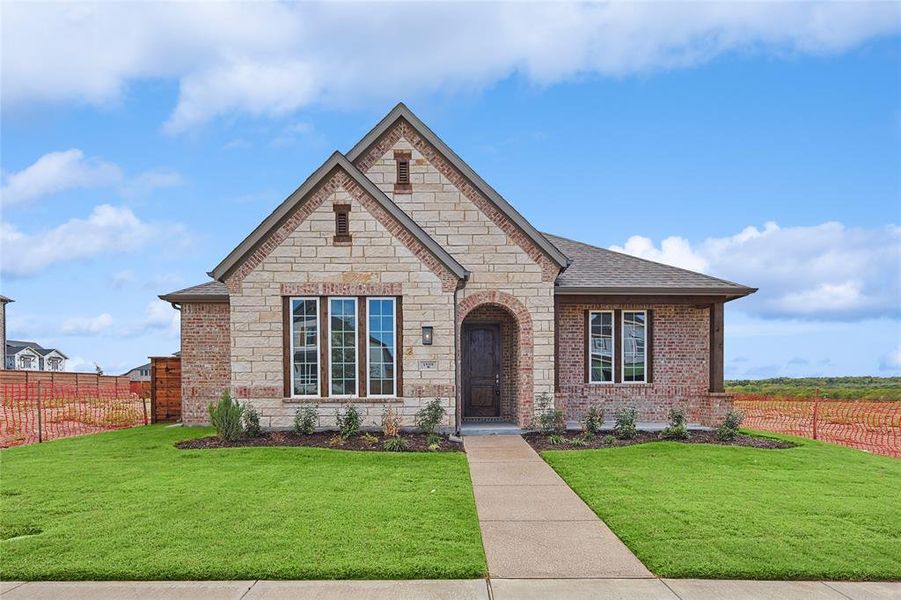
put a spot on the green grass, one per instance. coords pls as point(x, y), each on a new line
point(128, 505)
point(838, 388)
point(813, 512)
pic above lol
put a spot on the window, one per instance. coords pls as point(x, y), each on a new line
point(343, 346)
point(382, 350)
point(634, 344)
point(55, 364)
point(305, 346)
point(26, 362)
point(601, 346)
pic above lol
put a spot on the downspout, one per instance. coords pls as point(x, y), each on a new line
point(458, 377)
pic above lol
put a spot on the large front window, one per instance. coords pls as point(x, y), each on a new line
point(381, 355)
point(305, 346)
point(601, 346)
point(343, 346)
point(634, 346)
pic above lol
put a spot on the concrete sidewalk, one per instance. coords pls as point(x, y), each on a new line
point(472, 589)
point(533, 525)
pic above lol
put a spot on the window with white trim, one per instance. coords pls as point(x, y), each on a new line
point(381, 351)
point(634, 346)
point(305, 346)
point(601, 346)
point(342, 346)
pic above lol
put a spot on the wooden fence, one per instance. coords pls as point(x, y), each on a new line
point(165, 389)
point(83, 383)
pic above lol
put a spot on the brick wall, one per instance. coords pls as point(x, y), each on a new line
point(205, 353)
point(680, 367)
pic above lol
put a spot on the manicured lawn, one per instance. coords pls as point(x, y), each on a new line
point(813, 512)
point(128, 505)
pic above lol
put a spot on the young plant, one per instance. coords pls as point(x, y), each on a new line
point(594, 420)
point(390, 423)
point(335, 441)
point(556, 439)
point(678, 426)
point(547, 419)
point(430, 417)
point(226, 417)
point(608, 440)
point(625, 428)
point(369, 439)
point(580, 441)
point(433, 439)
point(251, 421)
point(395, 444)
point(348, 421)
point(305, 420)
point(729, 428)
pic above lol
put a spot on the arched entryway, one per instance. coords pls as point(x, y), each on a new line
point(495, 359)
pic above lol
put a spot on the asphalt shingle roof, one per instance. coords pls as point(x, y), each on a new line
point(211, 291)
point(597, 270)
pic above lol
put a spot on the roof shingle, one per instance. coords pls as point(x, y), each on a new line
point(211, 291)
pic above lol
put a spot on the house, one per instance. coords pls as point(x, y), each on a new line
point(3, 302)
point(30, 356)
point(395, 274)
point(141, 373)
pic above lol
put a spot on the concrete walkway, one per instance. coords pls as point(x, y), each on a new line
point(533, 525)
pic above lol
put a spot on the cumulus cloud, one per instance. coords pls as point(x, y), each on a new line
point(275, 58)
point(87, 325)
point(107, 229)
point(825, 271)
point(159, 317)
point(891, 361)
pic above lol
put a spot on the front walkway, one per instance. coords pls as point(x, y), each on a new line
point(533, 525)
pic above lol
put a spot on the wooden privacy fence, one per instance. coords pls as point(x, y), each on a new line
point(865, 425)
point(165, 389)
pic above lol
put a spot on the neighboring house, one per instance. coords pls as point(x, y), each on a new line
point(395, 274)
point(141, 373)
point(3, 302)
point(29, 356)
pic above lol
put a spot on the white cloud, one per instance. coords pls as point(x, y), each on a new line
point(825, 271)
point(87, 325)
point(274, 58)
point(121, 279)
point(160, 317)
point(148, 181)
point(891, 361)
point(56, 172)
point(107, 229)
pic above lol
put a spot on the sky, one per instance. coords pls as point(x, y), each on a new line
point(761, 143)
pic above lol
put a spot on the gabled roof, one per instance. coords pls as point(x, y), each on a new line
point(599, 271)
point(336, 161)
point(213, 292)
point(402, 112)
point(16, 346)
point(4, 300)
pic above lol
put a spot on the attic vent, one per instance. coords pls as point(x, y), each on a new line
point(342, 223)
point(403, 171)
point(403, 185)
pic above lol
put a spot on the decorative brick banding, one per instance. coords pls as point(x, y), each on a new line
point(342, 289)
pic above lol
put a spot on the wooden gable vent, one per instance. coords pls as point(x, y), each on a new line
point(402, 184)
point(342, 223)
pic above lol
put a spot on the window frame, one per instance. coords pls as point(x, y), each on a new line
point(369, 393)
point(612, 314)
point(356, 370)
point(622, 357)
point(291, 346)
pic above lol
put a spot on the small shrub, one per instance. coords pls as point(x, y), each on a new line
point(336, 440)
point(390, 423)
point(678, 426)
point(348, 421)
point(729, 428)
point(305, 420)
point(430, 417)
point(369, 439)
point(609, 440)
point(251, 421)
point(556, 439)
point(547, 420)
point(226, 417)
point(594, 420)
point(580, 441)
point(625, 424)
point(395, 444)
point(433, 439)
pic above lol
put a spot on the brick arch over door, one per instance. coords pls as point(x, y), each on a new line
point(525, 344)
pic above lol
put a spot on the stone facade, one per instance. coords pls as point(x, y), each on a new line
point(205, 358)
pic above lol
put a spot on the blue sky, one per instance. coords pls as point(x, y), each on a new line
point(760, 144)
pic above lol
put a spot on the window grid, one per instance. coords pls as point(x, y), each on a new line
point(381, 355)
point(342, 346)
point(634, 340)
point(305, 346)
point(601, 346)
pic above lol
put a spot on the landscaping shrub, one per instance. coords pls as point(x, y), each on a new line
point(433, 439)
point(594, 420)
point(395, 444)
point(556, 439)
point(348, 421)
point(608, 440)
point(580, 441)
point(336, 440)
point(390, 422)
point(729, 428)
point(625, 424)
point(226, 417)
point(547, 420)
point(430, 417)
point(251, 421)
point(305, 420)
point(678, 426)
point(369, 439)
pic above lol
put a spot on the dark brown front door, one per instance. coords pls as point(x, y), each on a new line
point(481, 370)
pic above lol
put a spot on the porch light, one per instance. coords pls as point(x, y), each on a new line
point(427, 334)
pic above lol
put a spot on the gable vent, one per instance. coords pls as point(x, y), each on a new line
point(342, 222)
point(403, 171)
point(402, 184)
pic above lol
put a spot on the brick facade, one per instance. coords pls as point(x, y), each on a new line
point(205, 358)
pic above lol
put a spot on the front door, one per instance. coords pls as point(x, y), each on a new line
point(481, 370)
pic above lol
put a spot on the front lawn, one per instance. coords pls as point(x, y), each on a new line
point(129, 505)
point(816, 511)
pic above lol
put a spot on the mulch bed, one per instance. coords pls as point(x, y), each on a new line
point(541, 442)
point(416, 442)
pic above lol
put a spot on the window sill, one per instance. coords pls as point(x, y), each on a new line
point(344, 400)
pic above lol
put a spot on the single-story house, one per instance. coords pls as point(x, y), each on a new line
point(395, 274)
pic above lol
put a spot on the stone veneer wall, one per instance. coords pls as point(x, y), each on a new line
point(205, 358)
point(680, 367)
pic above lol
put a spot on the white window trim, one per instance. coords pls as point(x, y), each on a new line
point(394, 355)
point(318, 346)
point(613, 349)
point(622, 336)
point(356, 347)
